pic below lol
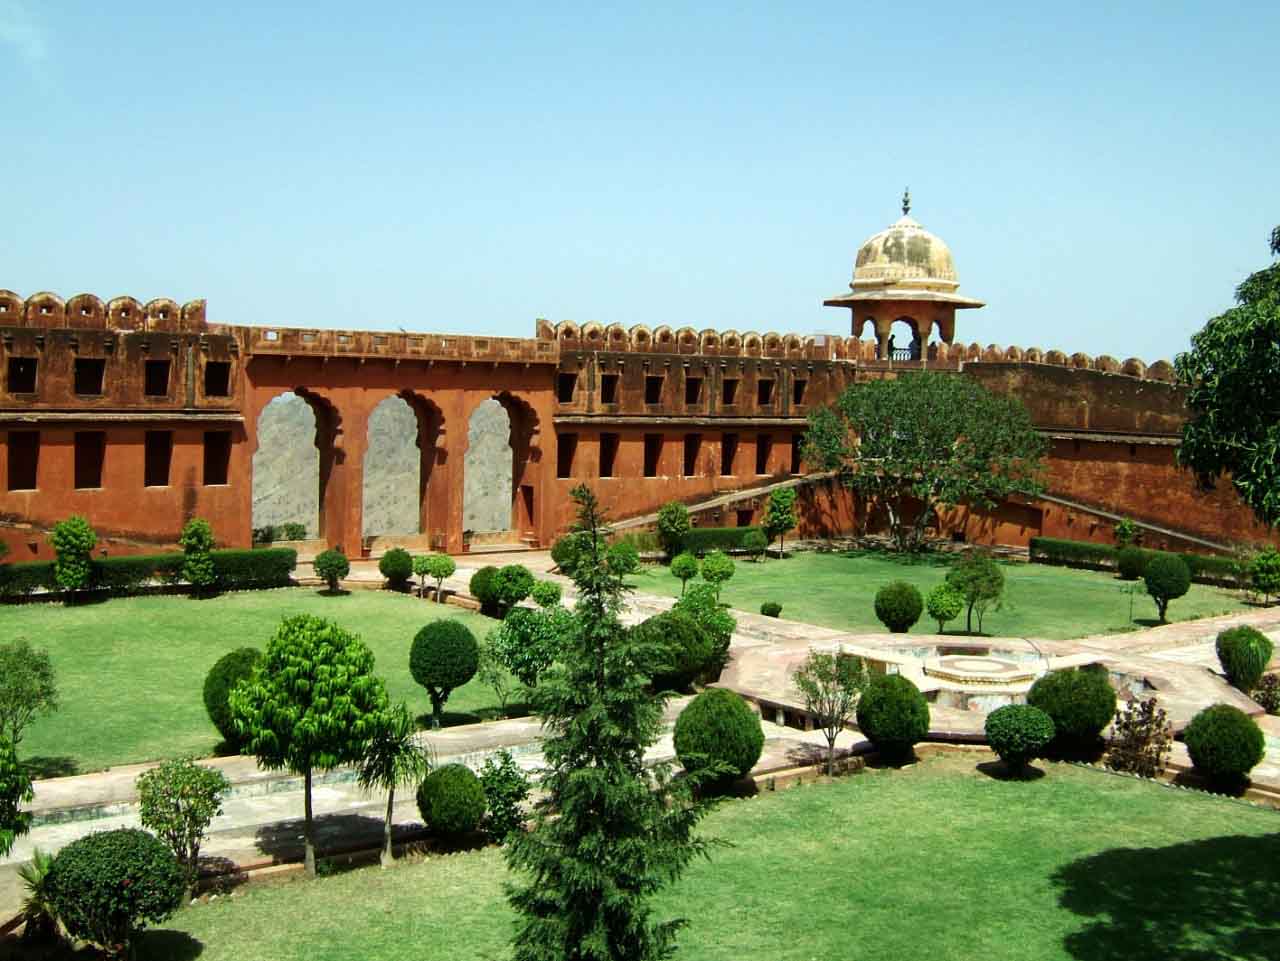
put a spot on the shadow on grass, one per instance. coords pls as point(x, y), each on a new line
point(46, 766)
point(151, 945)
point(282, 840)
point(1201, 900)
point(455, 718)
point(999, 771)
point(919, 559)
point(340, 592)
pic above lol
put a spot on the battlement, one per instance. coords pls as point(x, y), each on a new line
point(88, 312)
point(403, 345)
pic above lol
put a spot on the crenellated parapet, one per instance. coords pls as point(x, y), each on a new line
point(685, 340)
point(88, 312)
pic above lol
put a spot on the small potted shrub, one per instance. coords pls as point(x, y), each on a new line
point(898, 606)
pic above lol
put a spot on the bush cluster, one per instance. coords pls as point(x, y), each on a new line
point(685, 650)
point(233, 570)
point(898, 606)
point(893, 715)
point(1225, 744)
point(1018, 733)
point(718, 736)
point(546, 594)
point(702, 540)
point(511, 585)
point(701, 603)
point(288, 531)
point(1081, 703)
point(228, 671)
point(1244, 653)
point(1205, 568)
point(528, 641)
point(755, 543)
point(673, 526)
point(451, 801)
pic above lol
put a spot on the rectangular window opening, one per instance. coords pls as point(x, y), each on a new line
point(158, 456)
point(653, 390)
point(729, 391)
point(797, 450)
point(692, 390)
point(692, 448)
point(608, 454)
point(764, 392)
point(797, 391)
point(764, 447)
point(565, 386)
point(24, 459)
point(217, 378)
point(89, 373)
point(217, 457)
point(157, 378)
point(91, 447)
point(652, 454)
point(566, 450)
point(609, 388)
point(745, 517)
point(728, 454)
point(22, 375)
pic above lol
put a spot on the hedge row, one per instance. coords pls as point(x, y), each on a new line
point(235, 570)
point(1205, 568)
point(700, 540)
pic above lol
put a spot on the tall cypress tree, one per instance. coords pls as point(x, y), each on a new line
point(610, 831)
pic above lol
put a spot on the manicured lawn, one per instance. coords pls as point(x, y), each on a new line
point(131, 670)
point(937, 861)
point(838, 590)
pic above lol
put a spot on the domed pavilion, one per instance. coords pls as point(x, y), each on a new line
point(904, 274)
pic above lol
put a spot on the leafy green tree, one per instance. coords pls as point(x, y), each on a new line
point(831, 685)
point(756, 544)
point(1127, 533)
point(313, 704)
point(685, 567)
point(444, 656)
point(333, 566)
point(527, 642)
point(924, 442)
point(196, 542)
point(506, 788)
point(74, 541)
point(392, 757)
point(15, 790)
point(717, 570)
point(673, 528)
point(702, 603)
point(435, 566)
point(1264, 573)
point(944, 603)
point(978, 579)
point(1167, 577)
point(1232, 376)
point(546, 594)
point(177, 801)
point(493, 672)
point(780, 517)
point(610, 831)
point(28, 688)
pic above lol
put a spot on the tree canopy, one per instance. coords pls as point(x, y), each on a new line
point(1232, 373)
point(927, 441)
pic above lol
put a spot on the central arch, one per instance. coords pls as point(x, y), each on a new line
point(500, 495)
point(405, 432)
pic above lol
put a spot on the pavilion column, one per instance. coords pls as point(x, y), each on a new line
point(884, 327)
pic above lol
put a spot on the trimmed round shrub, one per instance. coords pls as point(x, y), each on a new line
point(1081, 703)
point(511, 585)
point(333, 566)
point(686, 649)
point(444, 655)
point(770, 608)
point(623, 558)
point(717, 569)
point(1244, 653)
point(1224, 743)
point(107, 886)
point(1167, 577)
point(1018, 733)
point(755, 543)
point(1131, 562)
point(546, 593)
point(228, 671)
point(685, 567)
point(451, 801)
point(565, 553)
point(719, 727)
point(673, 526)
point(482, 589)
point(944, 604)
point(893, 715)
point(396, 565)
point(898, 606)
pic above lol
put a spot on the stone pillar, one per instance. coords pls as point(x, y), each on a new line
point(946, 325)
point(884, 328)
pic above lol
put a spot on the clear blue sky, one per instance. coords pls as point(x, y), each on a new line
point(1104, 174)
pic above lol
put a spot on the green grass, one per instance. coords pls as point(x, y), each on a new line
point(838, 591)
point(938, 861)
point(130, 671)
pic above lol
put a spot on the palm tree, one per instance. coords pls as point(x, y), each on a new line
point(37, 910)
point(394, 757)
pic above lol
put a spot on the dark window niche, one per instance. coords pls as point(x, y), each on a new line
point(692, 448)
point(24, 459)
point(217, 378)
point(729, 391)
point(764, 392)
point(22, 375)
point(692, 390)
point(566, 384)
point(797, 391)
point(89, 374)
point(608, 454)
point(652, 454)
point(653, 390)
point(745, 517)
point(157, 458)
point(797, 451)
point(156, 381)
point(609, 388)
point(566, 450)
point(764, 447)
point(728, 454)
point(217, 457)
point(91, 449)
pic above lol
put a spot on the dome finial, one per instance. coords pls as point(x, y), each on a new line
point(906, 201)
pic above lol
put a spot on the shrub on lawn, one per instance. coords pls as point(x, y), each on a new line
point(944, 604)
point(546, 594)
point(73, 540)
point(178, 800)
point(333, 566)
point(481, 588)
point(1224, 743)
point(396, 565)
point(196, 542)
point(718, 736)
point(673, 526)
point(685, 567)
point(1141, 739)
point(684, 649)
point(1264, 573)
point(444, 656)
point(622, 558)
point(565, 553)
point(528, 641)
point(893, 715)
point(980, 581)
point(1244, 653)
point(717, 569)
point(435, 566)
point(1131, 562)
point(898, 606)
point(511, 585)
point(228, 671)
point(1081, 703)
point(1167, 577)
point(755, 543)
point(701, 604)
point(451, 801)
point(506, 787)
point(770, 608)
point(106, 886)
point(1018, 733)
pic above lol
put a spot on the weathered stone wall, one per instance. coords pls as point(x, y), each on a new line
point(392, 470)
point(486, 497)
point(286, 466)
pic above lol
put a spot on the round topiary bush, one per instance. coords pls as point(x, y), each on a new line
point(1018, 733)
point(1167, 577)
point(546, 593)
point(1081, 703)
point(444, 655)
point(898, 606)
point(685, 648)
point(893, 715)
point(481, 588)
point(106, 886)
point(396, 565)
point(1244, 653)
point(770, 608)
point(1224, 743)
point(333, 566)
point(565, 553)
point(511, 585)
point(1130, 563)
point(451, 801)
point(228, 671)
point(755, 543)
point(944, 604)
point(719, 727)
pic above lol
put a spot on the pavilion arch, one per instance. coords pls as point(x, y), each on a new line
point(405, 434)
point(296, 452)
point(501, 493)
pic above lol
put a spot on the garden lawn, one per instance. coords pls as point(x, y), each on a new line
point(130, 671)
point(937, 861)
point(838, 590)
